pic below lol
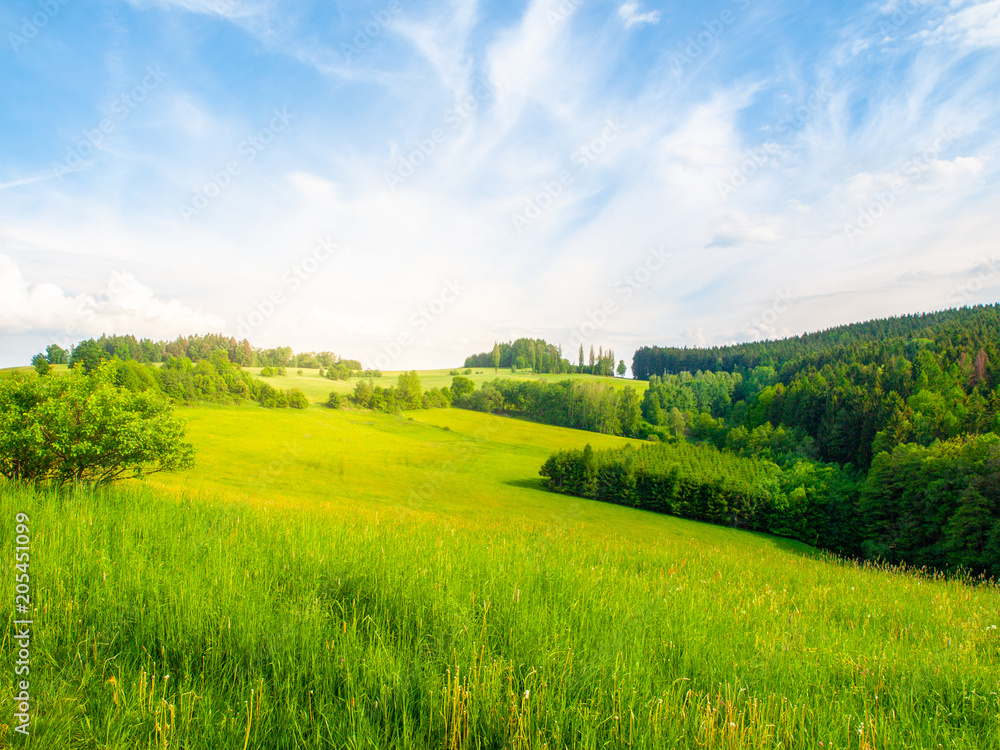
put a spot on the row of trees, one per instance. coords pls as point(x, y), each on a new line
point(91, 352)
point(214, 379)
point(593, 406)
point(537, 355)
point(935, 506)
point(949, 334)
point(804, 500)
point(407, 393)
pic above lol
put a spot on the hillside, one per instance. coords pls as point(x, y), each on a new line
point(331, 579)
point(947, 333)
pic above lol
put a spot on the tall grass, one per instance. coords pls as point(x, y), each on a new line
point(167, 621)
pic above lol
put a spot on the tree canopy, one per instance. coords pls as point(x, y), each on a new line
point(82, 427)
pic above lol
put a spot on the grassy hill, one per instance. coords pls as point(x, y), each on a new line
point(317, 388)
point(346, 579)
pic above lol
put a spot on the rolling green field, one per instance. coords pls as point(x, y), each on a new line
point(317, 389)
point(331, 579)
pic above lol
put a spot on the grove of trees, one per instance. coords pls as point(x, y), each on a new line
point(539, 356)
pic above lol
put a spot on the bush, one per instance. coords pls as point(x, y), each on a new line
point(297, 399)
point(334, 401)
point(85, 428)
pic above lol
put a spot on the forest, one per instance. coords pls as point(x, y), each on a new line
point(194, 348)
point(902, 413)
point(593, 406)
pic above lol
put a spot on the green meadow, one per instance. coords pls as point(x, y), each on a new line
point(344, 579)
point(317, 388)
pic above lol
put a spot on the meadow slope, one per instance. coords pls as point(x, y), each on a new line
point(346, 579)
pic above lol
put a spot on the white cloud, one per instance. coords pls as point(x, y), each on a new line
point(124, 306)
point(975, 26)
point(224, 8)
point(942, 174)
point(630, 15)
point(740, 229)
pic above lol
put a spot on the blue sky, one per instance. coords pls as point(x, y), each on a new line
point(405, 182)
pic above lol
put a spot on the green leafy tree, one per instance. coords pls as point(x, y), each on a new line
point(41, 364)
point(363, 393)
point(88, 355)
point(461, 386)
point(55, 354)
point(621, 368)
point(85, 428)
point(408, 391)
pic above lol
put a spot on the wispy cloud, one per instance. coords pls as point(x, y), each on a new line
point(972, 25)
point(630, 15)
point(813, 127)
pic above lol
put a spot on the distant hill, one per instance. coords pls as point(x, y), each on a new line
point(948, 334)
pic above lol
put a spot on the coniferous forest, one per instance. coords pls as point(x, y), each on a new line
point(876, 439)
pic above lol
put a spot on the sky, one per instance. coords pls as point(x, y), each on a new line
point(405, 183)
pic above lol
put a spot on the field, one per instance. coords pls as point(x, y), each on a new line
point(343, 579)
point(317, 388)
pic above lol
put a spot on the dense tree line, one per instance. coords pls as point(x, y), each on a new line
point(214, 379)
point(582, 405)
point(537, 355)
point(91, 352)
point(802, 500)
point(948, 334)
point(911, 402)
point(407, 393)
point(852, 393)
point(936, 506)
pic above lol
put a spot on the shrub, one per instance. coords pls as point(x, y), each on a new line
point(85, 428)
point(297, 399)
